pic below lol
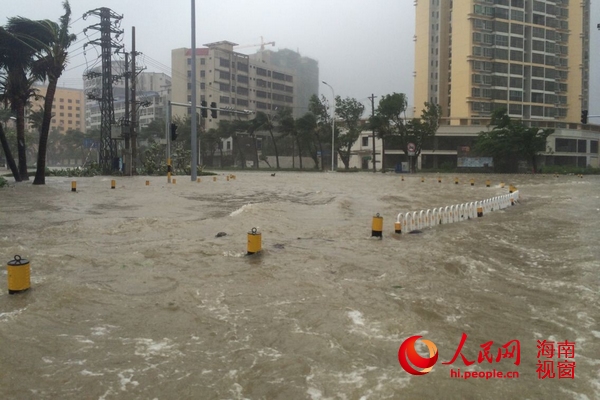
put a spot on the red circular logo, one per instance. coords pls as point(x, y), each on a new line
point(407, 353)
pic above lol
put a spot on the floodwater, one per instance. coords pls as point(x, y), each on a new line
point(133, 297)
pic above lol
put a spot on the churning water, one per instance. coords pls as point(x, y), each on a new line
point(133, 296)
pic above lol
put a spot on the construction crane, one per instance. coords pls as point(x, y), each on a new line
point(262, 45)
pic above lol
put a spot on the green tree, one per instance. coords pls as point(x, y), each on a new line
point(509, 141)
point(389, 120)
point(350, 111)
point(50, 65)
point(318, 107)
point(306, 127)
point(4, 116)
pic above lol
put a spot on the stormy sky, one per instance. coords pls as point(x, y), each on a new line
point(362, 47)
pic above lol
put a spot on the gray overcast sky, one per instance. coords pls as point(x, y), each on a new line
point(362, 47)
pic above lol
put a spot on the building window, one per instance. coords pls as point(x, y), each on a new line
point(365, 141)
point(69, 101)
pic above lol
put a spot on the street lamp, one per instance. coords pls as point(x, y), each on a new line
point(332, 123)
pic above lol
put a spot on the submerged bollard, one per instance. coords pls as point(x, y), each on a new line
point(479, 211)
point(147, 183)
point(398, 227)
point(254, 241)
point(214, 178)
point(377, 226)
point(73, 186)
point(18, 275)
point(502, 185)
point(456, 181)
point(422, 179)
point(198, 180)
point(511, 189)
point(439, 180)
point(487, 183)
point(402, 178)
point(472, 182)
point(174, 181)
point(113, 184)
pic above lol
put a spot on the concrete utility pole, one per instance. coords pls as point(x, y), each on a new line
point(372, 98)
point(126, 122)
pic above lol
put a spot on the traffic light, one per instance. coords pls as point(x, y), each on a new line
point(213, 109)
point(584, 115)
point(173, 132)
point(203, 111)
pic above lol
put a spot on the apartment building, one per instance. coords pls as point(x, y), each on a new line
point(264, 81)
point(532, 57)
point(67, 109)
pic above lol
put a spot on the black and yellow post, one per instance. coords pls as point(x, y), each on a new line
point(254, 241)
point(472, 182)
point(147, 183)
point(456, 181)
point(198, 180)
point(73, 186)
point(169, 169)
point(174, 181)
point(439, 179)
point(511, 189)
point(377, 226)
point(19, 275)
point(398, 227)
point(502, 185)
point(422, 179)
point(214, 178)
point(113, 184)
point(487, 183)
point(479, 211)
point(402, 178)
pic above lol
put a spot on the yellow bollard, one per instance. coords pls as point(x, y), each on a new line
point(511, 189)
point(19, 276)
point(254, 241)
point(502, 185)
point(422, 179)
point(113, 184)
point(402, 178)
point(472, 182)
point(456, 181)
point(174, 181)
point(198, 180)
point(512, 201)
point(398, 227)
point(439, 180)
point(377, 226)
point(73, 186)
point(169, 170)
point(214, 178)
point(147, 183)
point(479, 211)
point(487, 183)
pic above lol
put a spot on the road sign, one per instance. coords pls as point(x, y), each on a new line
point(411, 149)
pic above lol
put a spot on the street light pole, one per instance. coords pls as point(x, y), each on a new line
point(194, 135)
point(332, 123)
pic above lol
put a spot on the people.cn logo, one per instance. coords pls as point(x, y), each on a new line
point(407, 353)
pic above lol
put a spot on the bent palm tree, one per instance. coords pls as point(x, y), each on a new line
point(50, 65)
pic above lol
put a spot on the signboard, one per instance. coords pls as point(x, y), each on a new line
point(411, 149)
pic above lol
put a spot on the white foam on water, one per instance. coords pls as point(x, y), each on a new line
point(596, 334)
point(102, 330)
point(315, 394)
point(85, 372)
point(240, 210)
point(149, 348)
point(11, 314)
point(127, 380)
point(356, 317)
point(575, 395)
point(233, 254)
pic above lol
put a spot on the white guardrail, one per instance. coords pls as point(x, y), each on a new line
point(417, 220)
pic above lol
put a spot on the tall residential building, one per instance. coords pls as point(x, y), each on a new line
point(260, 82)
point(529, 56)
point(67, 108)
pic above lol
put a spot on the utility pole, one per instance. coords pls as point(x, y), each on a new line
point(372, 98)
point(126, 122)
point(133, 125)
point(194, 135)
point(106, 28)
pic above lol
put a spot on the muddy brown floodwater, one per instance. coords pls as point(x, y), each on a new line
point(134, 297)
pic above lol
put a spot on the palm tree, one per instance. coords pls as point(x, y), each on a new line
point(50, 65)
point(17, 57)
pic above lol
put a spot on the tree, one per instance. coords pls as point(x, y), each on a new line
point(389, 120)
point(306, 128)
point(350, 111)
point(318, 108)
point(509, 141)
point(4, 116)
point(50, 65)
point(17, 55)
